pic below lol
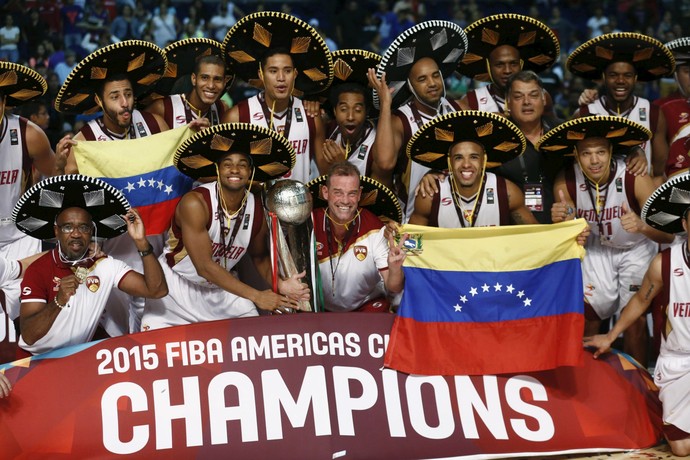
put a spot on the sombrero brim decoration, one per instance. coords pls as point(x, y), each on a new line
point(443, 41)
point(376, 197)
point(35, 212)
point(537, 44)
point(620, 132)
point(182, 56)
point(665, 207)
point(142, 62)
point(272, 155)
point(680, 48)
point(20, 84)
point(651, 59)
point(352, 65)
point(501, 139)
point(253, 35)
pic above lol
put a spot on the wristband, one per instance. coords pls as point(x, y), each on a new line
point(62, 307)
point(146, 252)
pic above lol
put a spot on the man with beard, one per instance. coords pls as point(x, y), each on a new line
point(498, 49)
point(414, 95)
point(598, 188)
point(284, 74)
point(65, 291)
point(217, 224)
point(630, 57)
point(196, 62)
point(466, 143)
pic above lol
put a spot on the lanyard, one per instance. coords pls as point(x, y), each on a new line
point(190, 114)
point(235, 227)
point(460, 210)
point(269, 121)
point(340, 248)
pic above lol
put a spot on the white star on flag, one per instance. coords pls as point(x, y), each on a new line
point(458, 307)
point(473, 291)
point(160, 185)
point(497, 287)
point(141, 183)
point(130, 187)
point(510, 288)
point(168, 189)
point(520, 294)
point(152, 182)
point(463, 299)
point(485, 288)
point(527, 302)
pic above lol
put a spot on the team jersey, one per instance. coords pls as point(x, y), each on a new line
point(294, 121)
point(9, 270)
point(350, 276)
point(177, 111)
point(493, 209)
point(485, 100)
point(677, 115)
point(675, 269)
point(77, 322)
point(143, 124)
point(412, 172)
point(641, 112)
point(229, 241)
point(15, 173)
point(359, 154)
point(606, 224)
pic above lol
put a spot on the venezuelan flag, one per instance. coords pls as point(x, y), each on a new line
point(489, 300)
point(143, 170)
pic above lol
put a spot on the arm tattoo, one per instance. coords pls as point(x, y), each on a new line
point(649, 292)
point(517, 218)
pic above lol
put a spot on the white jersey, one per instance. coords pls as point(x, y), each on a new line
point(76, 323)
point(9, 270)
point(15, 170)
point(299, 127)
point(351, 277)
point(483, 100)
point(606, 224)
point(492, 210)
point(412, 120)
point(178, 113)
point(143, 124)
point(641, 112)
point(359, 154)
point(229, 240)
point(675, 336)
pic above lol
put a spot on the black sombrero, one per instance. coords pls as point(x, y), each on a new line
point(621, 132)
point(665, 207)
point(142, 62)
point(680, 48)
point(20, 84)
point(501, 139)
point(537, 44)
point(253, 35)
point(35, 212)
point(376, 197)
point(351, 66)
point(272, 155)
point(651, 59)
point(443, 41)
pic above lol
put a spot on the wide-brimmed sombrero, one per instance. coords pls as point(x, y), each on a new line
point(253, 35)
point(272, 155)
point(376, 197)
point(142, 62)
point(35, 212)
point(182, 57)
point(351, 66)
point(665, 207)
point(443, 41)
point(501, 139)
point(680, 48)
point(620, 132)
point(20, 84)
point(651, 59)
point(535, 41)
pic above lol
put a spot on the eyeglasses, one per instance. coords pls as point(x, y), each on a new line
point(69, 228)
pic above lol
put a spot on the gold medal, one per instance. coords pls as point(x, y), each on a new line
point(81, 273)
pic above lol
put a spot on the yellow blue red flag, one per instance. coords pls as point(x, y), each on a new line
point(143, 170)
point(490, 300)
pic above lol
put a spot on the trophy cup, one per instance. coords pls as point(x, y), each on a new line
point(289, 203)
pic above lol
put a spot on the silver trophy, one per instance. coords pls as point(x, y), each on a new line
point(289, 202)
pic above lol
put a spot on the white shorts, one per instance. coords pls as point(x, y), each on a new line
point(672, 376)
point(188, 302)
point(611, 276)
point(18, 249)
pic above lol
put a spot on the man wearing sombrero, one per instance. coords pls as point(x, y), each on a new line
point(23, 146)
point(668, 211)
point(352, 133)
point(620, 60)
point(195, 66)
point(64, 293)
point(217, 224)
point(414, 65)
point(598, 188)
point(359, 267)
point(286, 58)
point(499, 47)
point(466, 143)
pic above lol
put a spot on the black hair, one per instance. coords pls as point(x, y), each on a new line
point(114, 77)
point(208, 59)
point(274, 51)
point(356, 88)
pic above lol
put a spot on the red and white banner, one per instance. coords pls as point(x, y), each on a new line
point(307, 386)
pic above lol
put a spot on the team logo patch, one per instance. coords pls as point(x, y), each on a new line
point(583, 187)
point(412, 245)
point(678, 272)
point(589, 290)
point(93, 283)
point(56, 283)
point(643, 114)
point(490, 196)
point(360, 252)
point(446, 201)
